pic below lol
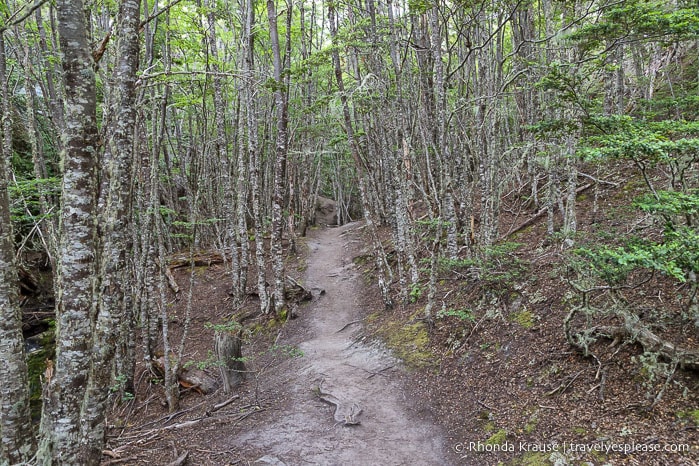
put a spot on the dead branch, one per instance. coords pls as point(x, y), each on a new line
point(542, 212)
point(101, 48)
point(348, 324)
point(15, 18)
point(171, 280)
point(223, 404)
point(182, 459)
point(651, 343)
point(564, 386)
point(158, 13)
point(127, 459)
point(198, 259)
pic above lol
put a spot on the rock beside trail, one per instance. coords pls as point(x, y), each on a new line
point(326, 211)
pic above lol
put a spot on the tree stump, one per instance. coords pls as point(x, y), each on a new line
point(229, 353)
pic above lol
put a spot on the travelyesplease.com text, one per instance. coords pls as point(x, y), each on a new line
point(569, 447)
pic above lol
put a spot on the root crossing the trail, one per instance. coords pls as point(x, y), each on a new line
point(332, 384)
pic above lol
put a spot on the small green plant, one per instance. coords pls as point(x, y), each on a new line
point(210, 361)
point(231, 326)
point(119, 385)
point(496, 265)
point(287, 350)
point(464, 314)
point(415, 292)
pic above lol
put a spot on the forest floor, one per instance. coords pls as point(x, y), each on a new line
point(277, 416)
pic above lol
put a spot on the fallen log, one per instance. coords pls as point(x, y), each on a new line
point(541, 213)
point(182, 459)
point(190, 378)
point(197, 259)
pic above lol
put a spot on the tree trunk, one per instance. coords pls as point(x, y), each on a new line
point(75, 277)
point(17, 438)
point(380, 255)
point(281, 103)
point(114, 273)
point(229, 353)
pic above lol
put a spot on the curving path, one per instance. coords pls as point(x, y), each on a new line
point(305, 433)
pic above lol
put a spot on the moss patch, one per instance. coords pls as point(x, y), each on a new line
point(538, 458)
point(498, 438)
point(692, 415)
point(530, 427)
point(532, 458)
point(524, 318)
point(409, 342)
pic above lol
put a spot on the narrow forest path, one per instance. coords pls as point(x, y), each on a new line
point(305, 432)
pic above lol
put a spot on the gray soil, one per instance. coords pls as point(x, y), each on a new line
point(393, 429)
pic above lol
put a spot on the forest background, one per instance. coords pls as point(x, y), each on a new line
point(134, 130)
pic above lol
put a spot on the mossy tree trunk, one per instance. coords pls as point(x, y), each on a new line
point(114, 320)
point(76, 266)
point(16, 436)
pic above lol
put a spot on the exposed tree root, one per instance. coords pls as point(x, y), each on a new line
point(632, 330)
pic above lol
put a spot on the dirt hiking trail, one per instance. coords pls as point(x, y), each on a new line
point(351, 374)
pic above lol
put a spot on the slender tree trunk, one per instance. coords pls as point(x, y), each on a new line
point(281, 103)
point(380, 255)
point(254, 158)
point(16, 435)
point(231, 236)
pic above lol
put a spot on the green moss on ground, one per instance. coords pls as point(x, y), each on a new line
point(409, 342)
point(524, 318)
point(498, 438)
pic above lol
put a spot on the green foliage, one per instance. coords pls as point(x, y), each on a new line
point(415, 292)
point(614, 265)
point(287, 350)
point(462, 314)
point(210, 361)
point(670, 203)
point(418, 7)
point(495, 265)
point(638, 20)
point(26, 195)
point(228, 327)
point(675, 256)
point(119, 385)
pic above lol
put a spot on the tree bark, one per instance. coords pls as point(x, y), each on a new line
point(16, 435)
point(281, 103)
point(229, 353)
point(114, 322)
point(254, 158)
point(75, 279)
